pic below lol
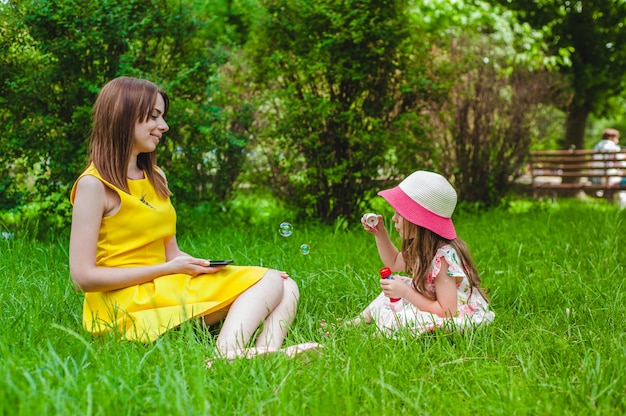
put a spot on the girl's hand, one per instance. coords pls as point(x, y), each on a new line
point(192, 266)
point(372, 229)
point(393, 288)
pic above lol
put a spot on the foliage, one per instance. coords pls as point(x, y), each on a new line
point(320, 103)
point(594, 32)
point(466, 95)
point(342, 82)
point(616, 119)
point(557, 345)
point(204, 148)
point(56, 64)
point(493, 132)
point(56, 56)
point(497, 87)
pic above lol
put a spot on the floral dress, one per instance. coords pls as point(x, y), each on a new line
point(471, 310)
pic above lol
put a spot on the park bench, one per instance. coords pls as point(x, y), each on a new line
point(568, 172)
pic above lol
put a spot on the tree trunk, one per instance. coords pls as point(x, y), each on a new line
point(575, 130)
point(575, 126)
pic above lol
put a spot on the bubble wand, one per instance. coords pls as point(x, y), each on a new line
point(385, 273)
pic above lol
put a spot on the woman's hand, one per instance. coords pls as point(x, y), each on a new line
point(193, 266)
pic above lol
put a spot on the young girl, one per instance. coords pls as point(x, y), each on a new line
point(444, 288)
point(123, 251)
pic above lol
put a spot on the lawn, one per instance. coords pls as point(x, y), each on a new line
point(555, 272)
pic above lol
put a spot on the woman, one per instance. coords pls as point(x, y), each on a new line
point(123, 249)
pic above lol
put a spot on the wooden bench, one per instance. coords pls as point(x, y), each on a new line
point(567, 172)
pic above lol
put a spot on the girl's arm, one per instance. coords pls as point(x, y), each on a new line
point(388, 252)
point(445, 287)
point(90, 205)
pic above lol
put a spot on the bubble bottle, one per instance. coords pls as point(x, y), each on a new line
point(394, 303)
point(371, 220)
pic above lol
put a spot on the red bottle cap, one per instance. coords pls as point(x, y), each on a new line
point(385, 273)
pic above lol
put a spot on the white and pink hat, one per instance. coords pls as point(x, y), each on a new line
point(426, 199)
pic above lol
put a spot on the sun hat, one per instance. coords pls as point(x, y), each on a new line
point(426, 199)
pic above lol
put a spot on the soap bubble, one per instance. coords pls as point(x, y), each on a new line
point(285, 229)
point(304, 249)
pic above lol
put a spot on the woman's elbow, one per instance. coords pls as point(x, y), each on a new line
point(79, 284)
point(81, 281)
point(78, 287)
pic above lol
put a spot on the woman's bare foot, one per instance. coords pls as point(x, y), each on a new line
point(249, 353)
point(294, 350)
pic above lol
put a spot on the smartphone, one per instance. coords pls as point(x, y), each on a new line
point(220, 262)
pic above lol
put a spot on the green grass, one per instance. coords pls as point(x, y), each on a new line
point(558, 345)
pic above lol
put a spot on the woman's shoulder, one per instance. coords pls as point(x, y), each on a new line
point(90, 171)
point(89, 181)
point(86, 184)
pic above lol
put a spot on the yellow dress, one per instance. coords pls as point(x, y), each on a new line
point(136, 236)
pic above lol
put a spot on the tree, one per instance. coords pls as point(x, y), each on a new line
point(184, 46)
point(54, 66)
point(341, 84)
point(55, 57)
point(487, 128)
point(595, 34)
point(496, 86)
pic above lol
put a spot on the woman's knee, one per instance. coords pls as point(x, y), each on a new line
point(286, 288)
point(291, 289)
point(270, 287)
point(273, 278)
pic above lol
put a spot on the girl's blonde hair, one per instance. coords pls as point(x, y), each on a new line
point(419, 251)
point(122, 103)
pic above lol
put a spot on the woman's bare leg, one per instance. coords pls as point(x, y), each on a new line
point(280, 319)
point(248, 311)
point(215, 317)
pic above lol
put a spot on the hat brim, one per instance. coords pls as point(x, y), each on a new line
point(417, 214)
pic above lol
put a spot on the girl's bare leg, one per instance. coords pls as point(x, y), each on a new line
point(247, 312)
point(365, 317)
point(280, 319)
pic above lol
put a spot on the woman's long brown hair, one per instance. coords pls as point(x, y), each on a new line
point(121, 103)
point(418, 253)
